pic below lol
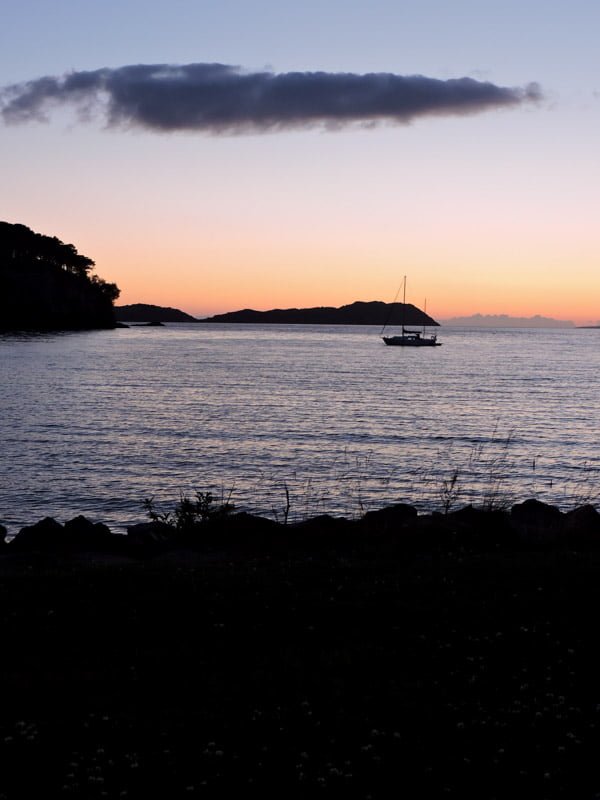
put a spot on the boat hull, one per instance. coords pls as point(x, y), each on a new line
point(410, 341)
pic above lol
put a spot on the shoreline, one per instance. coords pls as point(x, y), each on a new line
point(198, 524)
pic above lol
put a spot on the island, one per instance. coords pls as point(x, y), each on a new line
point(358, 313)
point(48, 285)
point(145, 312)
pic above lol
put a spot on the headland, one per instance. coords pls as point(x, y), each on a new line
point(49, 285)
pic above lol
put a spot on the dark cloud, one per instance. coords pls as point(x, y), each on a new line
point(219, 98)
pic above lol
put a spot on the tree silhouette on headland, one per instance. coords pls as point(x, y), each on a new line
point(47, 285)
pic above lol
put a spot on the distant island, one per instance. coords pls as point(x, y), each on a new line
point(47, 285)
point(145, 312)
point(505, 321)
point(358, 313)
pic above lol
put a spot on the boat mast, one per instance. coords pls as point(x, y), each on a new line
point(389, 314)
point(404, 305)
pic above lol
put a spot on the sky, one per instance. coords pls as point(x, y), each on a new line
point(310, 166)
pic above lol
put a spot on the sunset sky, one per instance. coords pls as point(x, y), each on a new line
point(494, 211)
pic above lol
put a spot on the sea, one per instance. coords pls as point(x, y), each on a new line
point(294, 420)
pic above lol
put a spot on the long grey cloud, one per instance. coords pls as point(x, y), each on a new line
point(218, 98)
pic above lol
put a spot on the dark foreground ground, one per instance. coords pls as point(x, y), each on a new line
point(364, 671)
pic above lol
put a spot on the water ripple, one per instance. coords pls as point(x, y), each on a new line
point(94, 422)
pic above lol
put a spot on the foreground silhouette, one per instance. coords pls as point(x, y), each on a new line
point(397, 655)
point(47, 285)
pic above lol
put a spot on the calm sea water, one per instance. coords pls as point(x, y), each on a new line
point(93, 423)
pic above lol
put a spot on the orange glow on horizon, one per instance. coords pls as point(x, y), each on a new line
point(225, 277)
point(215, 298)
point(212, 280)
point(221, 253)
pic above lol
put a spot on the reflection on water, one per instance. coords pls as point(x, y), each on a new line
point(94, 422)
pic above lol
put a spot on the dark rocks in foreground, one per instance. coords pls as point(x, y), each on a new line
point(78, 534)
point(390, 517)
point(528, 525)
point(399, 655)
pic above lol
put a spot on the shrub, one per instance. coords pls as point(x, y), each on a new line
point(189, 513)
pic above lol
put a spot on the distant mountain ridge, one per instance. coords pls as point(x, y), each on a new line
point(506, 321)
point(357, 313)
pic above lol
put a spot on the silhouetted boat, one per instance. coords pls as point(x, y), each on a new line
point(410, 338)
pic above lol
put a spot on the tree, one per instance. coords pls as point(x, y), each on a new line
point(47, 284)
point(109, 290)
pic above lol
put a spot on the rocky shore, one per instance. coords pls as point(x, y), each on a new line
point(527, 525)
point(426, 655)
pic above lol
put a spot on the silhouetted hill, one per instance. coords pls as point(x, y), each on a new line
point(358, 313)
point(46, 284)
point(144, 312)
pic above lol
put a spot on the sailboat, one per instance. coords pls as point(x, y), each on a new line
point(410, 338)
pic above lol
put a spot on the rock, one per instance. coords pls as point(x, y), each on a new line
point(220, 531)
point(321, 524)
point(242, 522)
point(239, 529)
point(534, 512)
point(319, 531)
point(86, 535)
point(480, 529)
point(388, 519)
point(78, 534)
point(148, 534)
point(536, 522)
point(47, 534)
point(467, 514)
point(3, 533)
point(582, 527)
point(479, 518)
